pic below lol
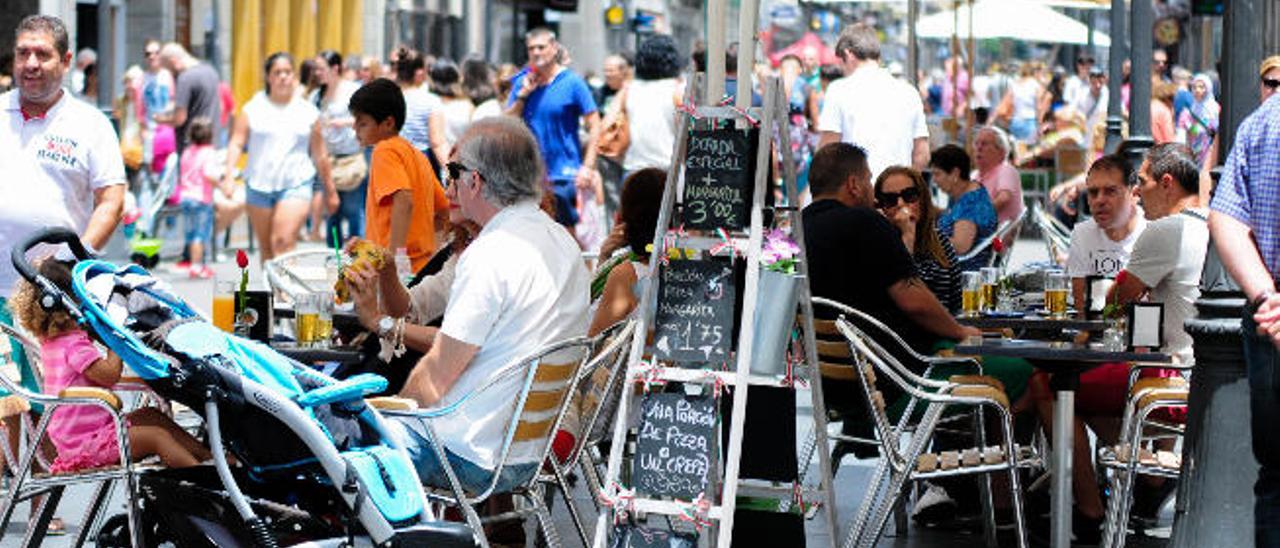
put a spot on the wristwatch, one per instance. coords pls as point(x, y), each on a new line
point(385, 325)
point(1256, 302)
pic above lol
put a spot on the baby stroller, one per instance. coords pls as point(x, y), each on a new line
point(317, 466)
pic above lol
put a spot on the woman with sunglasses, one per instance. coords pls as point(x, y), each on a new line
point(902, 195)
point(971, 217)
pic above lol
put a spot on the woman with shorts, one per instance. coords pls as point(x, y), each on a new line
point(281, 134)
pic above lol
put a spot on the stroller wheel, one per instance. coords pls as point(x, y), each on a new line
point(114, 533)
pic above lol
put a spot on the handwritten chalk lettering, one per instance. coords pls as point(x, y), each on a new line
point(674, 450)
point(694, 319)
point(718, 176)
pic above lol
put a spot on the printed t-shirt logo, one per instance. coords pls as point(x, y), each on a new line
point(58, 149)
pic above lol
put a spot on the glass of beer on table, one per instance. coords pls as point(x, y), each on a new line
point(990, 278)
point(1055, 294)
point(224, 305)
point(306, 318)
point(970, 293)
point(324, 319)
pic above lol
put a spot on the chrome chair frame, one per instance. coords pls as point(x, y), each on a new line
point(899, 462)
point(532, 489)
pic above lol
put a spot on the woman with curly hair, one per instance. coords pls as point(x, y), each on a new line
point(650, 101)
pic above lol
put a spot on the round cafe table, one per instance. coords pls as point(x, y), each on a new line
point(1066, 361)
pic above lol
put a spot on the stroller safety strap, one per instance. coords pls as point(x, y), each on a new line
point(354, 388)
point(388, 481)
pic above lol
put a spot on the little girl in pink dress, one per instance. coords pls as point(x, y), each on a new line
point(85, 435)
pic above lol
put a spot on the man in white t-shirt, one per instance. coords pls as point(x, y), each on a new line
point(520, 286)
point(1169, 256)
point(60, 155)
point(871, 109)
point(1100, 246)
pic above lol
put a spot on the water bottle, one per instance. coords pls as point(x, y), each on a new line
point(404, 268)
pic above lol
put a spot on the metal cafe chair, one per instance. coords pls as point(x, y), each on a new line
point(28, 482)
point(1130, 457)
point(540, 405)
point(906, 460)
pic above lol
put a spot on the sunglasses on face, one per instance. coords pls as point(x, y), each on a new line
point(1271, 83)
point(886, 200)
point(455, 170)
point(149, 54)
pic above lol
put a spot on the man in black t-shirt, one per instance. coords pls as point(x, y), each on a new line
point(856, 256)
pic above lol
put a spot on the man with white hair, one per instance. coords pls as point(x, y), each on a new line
point(520, 286)
point(996, 174)
point(871, 109)
point(195, 94)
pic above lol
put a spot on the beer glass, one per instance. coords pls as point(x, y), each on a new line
point(307, 319)
point(1055, 294)
point(990, 278)
point(970, 293)
point(324, 319)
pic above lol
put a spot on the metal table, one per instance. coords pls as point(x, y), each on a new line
point(1066, 361)
point(1032, 322)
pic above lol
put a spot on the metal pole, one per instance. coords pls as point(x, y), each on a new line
point(1139, 85)
point(913, 51)
point(1243, 40)
point(1115, 66)
point(106, 54)
point(1140, 79)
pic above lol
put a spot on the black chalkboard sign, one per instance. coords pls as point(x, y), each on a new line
point(694, 320)
point(673, 453)
point(719, 177)
point(635, 536)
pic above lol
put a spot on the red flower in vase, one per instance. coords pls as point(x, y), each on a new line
point(242, 259)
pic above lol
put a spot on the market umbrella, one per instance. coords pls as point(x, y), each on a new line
point(1023, 20)
point(809, 40)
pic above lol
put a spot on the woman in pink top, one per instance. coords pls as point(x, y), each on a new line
point(85, 435)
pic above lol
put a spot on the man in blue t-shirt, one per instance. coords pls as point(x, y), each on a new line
point(552, 100)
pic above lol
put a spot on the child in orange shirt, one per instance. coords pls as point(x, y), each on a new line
point(406, 202)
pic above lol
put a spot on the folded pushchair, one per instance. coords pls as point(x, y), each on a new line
point(317, 466)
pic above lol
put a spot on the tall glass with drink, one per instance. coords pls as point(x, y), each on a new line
point(224, 305)
point(970, 293)
point(307, 319)
point(1055, 294)
point(990, 278)
point(324, 319)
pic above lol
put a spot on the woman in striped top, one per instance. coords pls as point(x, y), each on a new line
point(903, 196)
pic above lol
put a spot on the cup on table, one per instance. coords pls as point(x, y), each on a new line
point(990, 278)
point(324, 319)
point(1055, 294)
point(224, 304)
point(970, 293)
point(306, 318)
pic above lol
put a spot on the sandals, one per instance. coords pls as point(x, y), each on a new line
point(56, 528)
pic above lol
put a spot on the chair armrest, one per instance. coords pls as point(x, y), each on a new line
point(132, 383)
point(92, 393)
point(980, 392)
point(392, 403)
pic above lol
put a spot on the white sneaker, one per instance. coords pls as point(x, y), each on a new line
point(934, 506)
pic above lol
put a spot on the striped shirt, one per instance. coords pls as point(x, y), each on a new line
point(1250, 186)
point(943, 281)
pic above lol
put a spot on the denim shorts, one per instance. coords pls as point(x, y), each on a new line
point(197, 221)
point(473, 477)
point(268, 199)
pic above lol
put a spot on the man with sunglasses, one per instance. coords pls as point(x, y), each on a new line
point(520, 286)
point(1269, 74)
point(1245, 224)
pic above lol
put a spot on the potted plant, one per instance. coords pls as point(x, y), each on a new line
point(776, 298)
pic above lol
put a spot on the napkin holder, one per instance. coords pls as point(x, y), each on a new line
point(1145, 328)
point(1095, 295)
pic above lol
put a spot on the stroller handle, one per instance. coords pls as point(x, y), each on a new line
point(50, 294)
